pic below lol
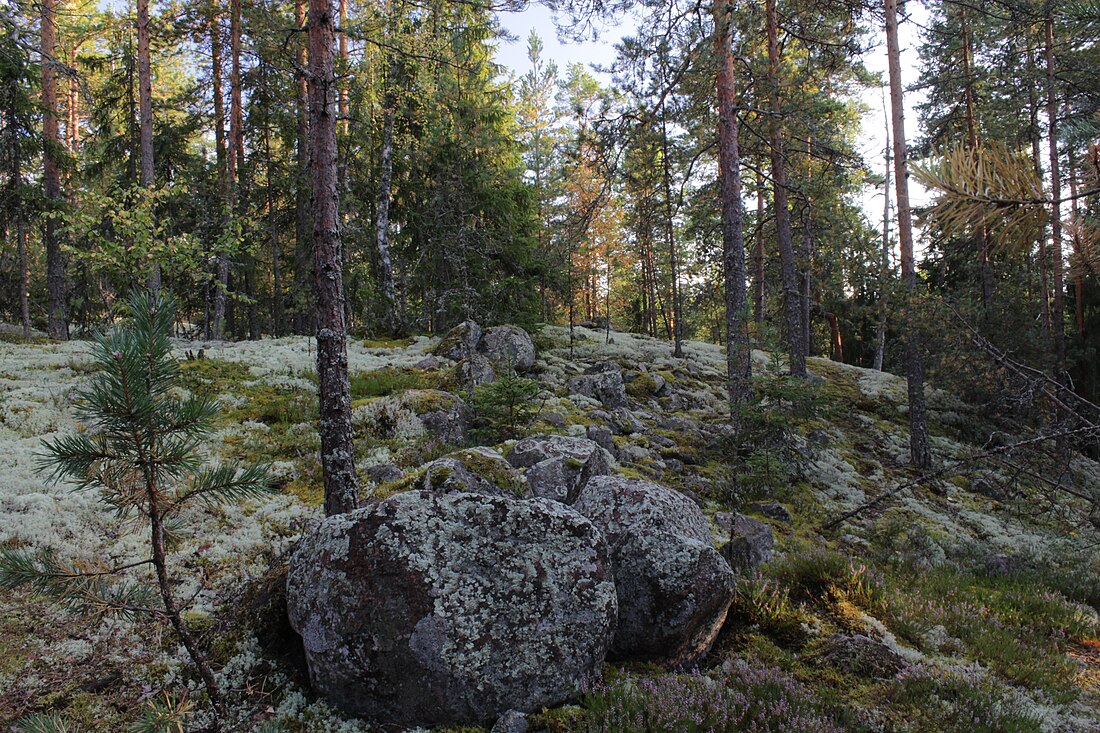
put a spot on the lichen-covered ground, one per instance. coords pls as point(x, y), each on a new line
point(984, 581)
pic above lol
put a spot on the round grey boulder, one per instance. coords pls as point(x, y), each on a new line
point(476, 470)
point(428, 609)
point(605, 386)
point(443, 414)
point(538, 448)
point(459, 342)
point(674, 588)
point(509, 346)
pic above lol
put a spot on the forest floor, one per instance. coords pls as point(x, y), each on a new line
point(984, 582)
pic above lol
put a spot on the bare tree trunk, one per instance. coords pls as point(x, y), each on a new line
point(920, 451)
point(1058, 311)
point(382, 224)
point(670, 236)
point(24, 273)
point(74, 103)
point(1036, 157)
point(337, 448)
point(984, 266)
point(303, 228)
point(145, 105)
point(738, 360)
point(57, 324)
point(758, 253)
point(277, 306)
point(221, 257)
point(788, 267)
point(884, 265)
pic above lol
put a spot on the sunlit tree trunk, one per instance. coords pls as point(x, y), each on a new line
point(57, 324)
point(145, 105)
point(920, 451)
point(792, 306)
point(738, 361)
point(337, 448)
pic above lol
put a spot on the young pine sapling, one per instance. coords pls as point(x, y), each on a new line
point(141, 452)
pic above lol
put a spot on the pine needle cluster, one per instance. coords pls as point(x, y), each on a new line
point(141, 451)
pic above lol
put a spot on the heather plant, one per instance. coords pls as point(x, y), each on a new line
point(743, 699)
point(140, 450)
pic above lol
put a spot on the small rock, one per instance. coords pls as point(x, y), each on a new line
point(477, 470)
point(512, 721)
point(772, 510)
point(383, 473)
point(474, 371)
point(861, 655)
point(538, 448)
point(1003, 565)
point(605, 386)
point(988, 486)
point(751, 542)
point(430, 362)
point(443, 414)
point(555, 418)
point(601, 436)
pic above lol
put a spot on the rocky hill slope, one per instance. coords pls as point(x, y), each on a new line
point(964, 603)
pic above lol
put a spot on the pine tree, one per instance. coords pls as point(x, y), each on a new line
point(141, 454)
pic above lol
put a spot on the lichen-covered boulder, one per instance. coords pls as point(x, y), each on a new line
point(443, 414)
point(558, 466)
point(509, 346)
point(605, 386)
point(537, 448)
point(674, 588)
point(459, 342)
point(477, 470)
point(674, 593)
point(620, 505)
point(431, 608)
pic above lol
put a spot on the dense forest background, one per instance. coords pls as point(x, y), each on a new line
point(560, 195)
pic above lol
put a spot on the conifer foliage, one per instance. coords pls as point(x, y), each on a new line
point(141, 453)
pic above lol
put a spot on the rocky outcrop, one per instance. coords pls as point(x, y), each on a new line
point(443, 414)
point(459, 342)
point(674, 588)
point(475, 470)
point(431, 608)
point(559, 466)
point(509, 347)
point(603, 382)
point(474, 371)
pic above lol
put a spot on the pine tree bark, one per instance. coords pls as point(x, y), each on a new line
point(920, 452)
point(738, 361)
point(57, 323)
point(145, 106)
point(303, 228)
point(221, 151)
point(670, 237)
point(1058, 303)
point(792, 306)
point(1036, 157)
point(758, 253)
point(337, 448)
point(884, 263)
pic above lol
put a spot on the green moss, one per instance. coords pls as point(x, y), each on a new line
point(558, 720)
point(388, 343)
point(213, 376)
point(382, 382)
point(496, 472)
point(642, 387)
point(429, 400)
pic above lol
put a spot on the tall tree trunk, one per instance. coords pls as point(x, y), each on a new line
point(1058, 309)
point(303, 228)
point(738, 360)
point(1078, 254)
point(337, 448)
point(73, 126)
point(920, 452)
point(670, 237)
point(24, 273)
point(277, 305)
point(788, 267)
point(221, 148)
point(985, 272)
point(884, 264)
point(57, 323)
point(145, 104)
point(390, 321)
point(1036, 157)
point(758, 253)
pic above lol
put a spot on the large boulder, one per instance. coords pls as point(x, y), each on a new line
point(538, 448)
point(751, 544)
point(460, 342)
point(509, 346)
point(674, 588)
point(431, 608)
point(474, 371)
point(475, 470)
